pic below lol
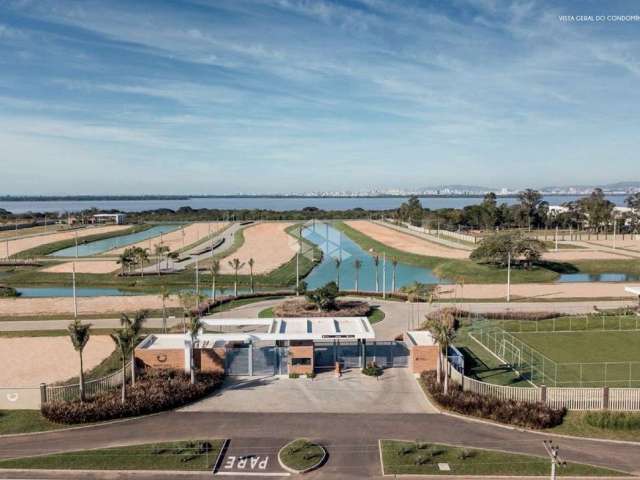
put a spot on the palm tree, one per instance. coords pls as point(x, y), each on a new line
point(79, 334)
point(338, 263)
point(236, 265)
point(357, 265)
point(164, 295)
point(251, 262)
point(142, 255)
point(443, 333)
point(187, 301)
point(215, 269)
point(194, 327)
point(376, 262)
point(394, 262)
point(125, 260)
point(126, 338)
point(160, 251)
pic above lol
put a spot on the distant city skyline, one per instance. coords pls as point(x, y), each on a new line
point(277, 96)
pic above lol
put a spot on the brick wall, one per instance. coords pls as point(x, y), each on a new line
point(423, 357)
point(210, 360)
point(301, 350)
point(164, 359)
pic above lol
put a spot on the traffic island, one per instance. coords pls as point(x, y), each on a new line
point(301, 456)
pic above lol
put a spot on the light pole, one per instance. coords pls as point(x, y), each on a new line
point(615, 225)
point(197, 278)
point(508, 277)
point(384, 275)
point(76, 237)
point(73, 281)
point(553, 452)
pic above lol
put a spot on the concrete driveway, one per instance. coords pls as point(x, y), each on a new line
point(396, 391)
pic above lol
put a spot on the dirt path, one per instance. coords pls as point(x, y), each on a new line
point(269, 246)
point(405, 241)
point(29, 361)
point(22, 244)
point(584, 290)
point(86, 305)
point(85, 266)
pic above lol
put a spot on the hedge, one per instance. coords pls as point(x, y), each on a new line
point(153, 392)
point(523, 414)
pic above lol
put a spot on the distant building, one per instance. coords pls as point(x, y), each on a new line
point(115, 218)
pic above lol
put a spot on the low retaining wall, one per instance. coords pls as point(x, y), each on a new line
point(20, 398)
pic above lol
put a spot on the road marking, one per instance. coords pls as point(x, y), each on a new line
point(255, 474)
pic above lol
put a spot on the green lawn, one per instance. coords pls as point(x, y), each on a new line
point(574, 424)
point(266, 313)
point(196, 455)
point(466, 270)
point(482, 365)
point(301, 454)
point(587, 358)
point(587, 346)
point(376, 315)
point(24, 421)
point(423, 458)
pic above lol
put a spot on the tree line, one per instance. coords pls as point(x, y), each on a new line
point(594, 212)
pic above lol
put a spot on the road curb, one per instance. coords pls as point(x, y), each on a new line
point(299, 472)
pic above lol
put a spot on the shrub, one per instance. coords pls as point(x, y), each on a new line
point(613, 420)
point(466, 453)
point(343, 308)
point(294, 375)
point(8, 292)
point(372, 370)
point(153, 392)
point(523, 414)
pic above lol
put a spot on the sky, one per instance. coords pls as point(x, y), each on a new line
point(277, 96)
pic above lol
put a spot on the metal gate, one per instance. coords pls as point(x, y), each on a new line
point(237, 360)
point(256, 360)
point(388, 354)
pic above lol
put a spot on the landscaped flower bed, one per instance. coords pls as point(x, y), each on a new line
point(301, 308)
point(530, 415)
point(153, 392)
point(301, 456)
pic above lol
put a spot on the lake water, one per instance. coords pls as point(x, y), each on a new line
point(68, 292)
point(101, 246)
point(336, 245)
point(600, 277)
point(266, 203)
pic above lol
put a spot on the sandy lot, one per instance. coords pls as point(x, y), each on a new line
point(406, 242)
point(22, 244)
point(537, 290)
point(630, 244)
point(28, 361)
point(178, 239)
point(584, 254)
point(86, 305)
point(25, 232)
point(269, 246)
point(86, 266)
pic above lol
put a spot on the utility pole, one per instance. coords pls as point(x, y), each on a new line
point(298, 261)
point(509, 277)
point(73, 280)
point(197, 278)
point(556, 238)
point(556, 461)
point(76, 237)
point(615, 225)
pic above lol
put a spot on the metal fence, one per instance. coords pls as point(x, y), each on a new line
point(615, 399)
point(539, 369)
point(92, 388)
point(573, 323)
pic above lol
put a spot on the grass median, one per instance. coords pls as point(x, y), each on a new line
point(422, 458)
point(194, 455)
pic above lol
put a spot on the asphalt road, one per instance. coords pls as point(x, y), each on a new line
point(351, 439)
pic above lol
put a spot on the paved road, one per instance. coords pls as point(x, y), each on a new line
point(350, 439)
point(399, 316)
